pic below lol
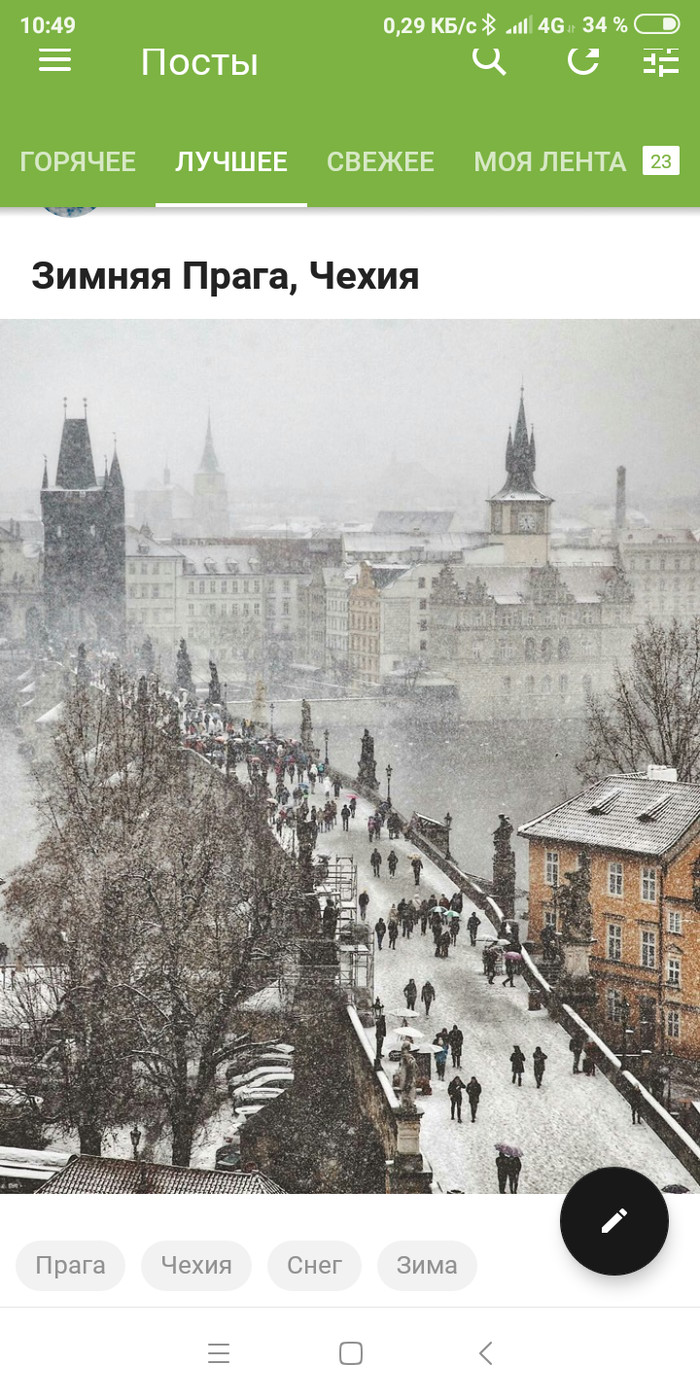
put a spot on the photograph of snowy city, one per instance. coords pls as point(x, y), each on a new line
point(350, 756)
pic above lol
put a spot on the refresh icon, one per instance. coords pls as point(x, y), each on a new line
point(584, 72)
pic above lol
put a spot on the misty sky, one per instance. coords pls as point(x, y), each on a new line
point(314, 408)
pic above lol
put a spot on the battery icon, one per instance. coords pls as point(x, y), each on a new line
point(657, 24)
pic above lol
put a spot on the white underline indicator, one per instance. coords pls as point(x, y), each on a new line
point(612, 1222)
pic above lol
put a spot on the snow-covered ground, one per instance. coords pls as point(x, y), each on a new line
point(570, 1126)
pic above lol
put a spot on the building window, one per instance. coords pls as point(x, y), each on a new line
point(550, 918)
point(423, 604)
point(564, 648)
point(285, 609)
point(201, 585)
point(673, 1024)
point(529, 648)
point(506, 685)
point(422, 625)
point(132, 568)
point(190, 609)
point(563, 684)
point(256, 585)
point(551, 867)
point(546, 648)
point(615, 878)
point(649, 884)
point(190, 588)
point(421, 582)
point(423, 646)
point(614, 942)
point(613, 1005)
point(648, 947)
point(155, 590)
point(256, 609)
point(675, 921)
point(224, 585)
point(285, 585)
point(530, 685)
point(132, 591)
point(674, 972)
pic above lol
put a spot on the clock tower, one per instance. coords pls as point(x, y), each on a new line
point(520, 514)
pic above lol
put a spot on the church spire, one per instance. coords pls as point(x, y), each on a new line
point(45, 479)
point(209, 462)
point(115, 472)
point(76, 469)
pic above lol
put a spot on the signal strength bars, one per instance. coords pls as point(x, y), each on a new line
point(525, 26)
point(54, 60)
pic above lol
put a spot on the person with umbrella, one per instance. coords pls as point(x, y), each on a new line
point(417, 864)
point(428, 996)
point(511, 960)
point(538, 1060)
point(376, 862)
point(513, 1172)
point(517, 1064)
point(456, 1039)
point(502, 1172)
point(455, 1089)
point(410, 992)
point(392, 862)
point(473, 1094)
point(363, 901)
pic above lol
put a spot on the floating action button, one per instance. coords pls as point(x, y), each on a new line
point(614, 1221)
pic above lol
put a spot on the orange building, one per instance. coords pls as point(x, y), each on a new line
point(642, 835)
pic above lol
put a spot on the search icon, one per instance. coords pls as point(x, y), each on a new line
point(496, 62)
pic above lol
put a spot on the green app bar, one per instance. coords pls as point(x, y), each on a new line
point(156, 104)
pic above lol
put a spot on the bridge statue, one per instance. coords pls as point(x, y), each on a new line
point(408, 1078)
point(306, 733)
point(504, 868)
point(367, 768)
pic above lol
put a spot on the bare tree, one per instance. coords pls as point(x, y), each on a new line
point(154, 907)
point(652, 713)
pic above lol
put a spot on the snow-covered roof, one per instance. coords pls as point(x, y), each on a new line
point(623, 812)
point(116, 1176)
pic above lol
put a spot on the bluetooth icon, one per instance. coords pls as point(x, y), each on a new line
point(488, 24)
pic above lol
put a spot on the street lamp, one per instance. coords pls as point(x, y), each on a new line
point(135, 1136)
point(272, 719)
point(389, 771)
point(326, 736)
point(448, 824)
point(624, 1019)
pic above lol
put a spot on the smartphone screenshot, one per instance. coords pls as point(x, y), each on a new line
point(349, 700)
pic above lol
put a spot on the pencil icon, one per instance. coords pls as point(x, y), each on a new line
point(612, 1222)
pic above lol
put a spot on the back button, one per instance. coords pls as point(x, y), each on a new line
point(614, 1221)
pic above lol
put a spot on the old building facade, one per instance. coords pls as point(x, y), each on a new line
point(21, 587)
point(642, 835)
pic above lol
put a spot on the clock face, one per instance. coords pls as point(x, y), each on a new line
point(527, 522)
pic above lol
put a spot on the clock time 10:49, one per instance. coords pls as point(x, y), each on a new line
point(47, 26)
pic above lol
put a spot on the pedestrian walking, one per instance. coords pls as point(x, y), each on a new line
point(588, 1061)
point(455, 1090)
point(345, 816)
point(473, 1094)
point(454, 930)
point(456, 1041)
point(423, 915)
point(371, 829)
point(376, 862)
point(428, 996)
point(381, 1036)
point(457, 902)
point(363, 901)
point(392, 862)
point(353, 806)
point(502, 1172)
point(445, 943)
point(380, 930)
point(329, 919)
point(407, 928)
point(440, 1062)
point(513, 1173)
point(576, 1048)
point(393, 931)
point(517, 1064)
point(410, 992)
point(636, 1102)
point(417, 864)
point(510, 971)
point(538, 1061)
point(336, 788)
point(490, 963)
